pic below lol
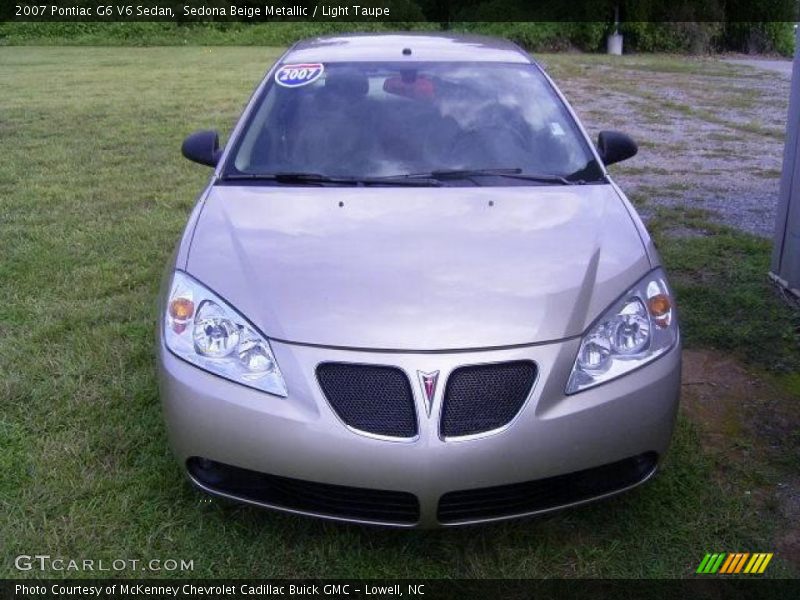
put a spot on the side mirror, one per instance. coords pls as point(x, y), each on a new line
point(202, 147)
point(615, 146)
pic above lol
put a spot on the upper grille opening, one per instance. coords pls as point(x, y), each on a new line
point(481, 398)
point(370, 398)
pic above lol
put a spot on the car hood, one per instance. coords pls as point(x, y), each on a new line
point(417, 268)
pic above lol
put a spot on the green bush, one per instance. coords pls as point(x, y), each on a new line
point(759, 38)
point(542, 37)
point(590, 35)
point(187, 33)
point(681, 37)
point(640, 36)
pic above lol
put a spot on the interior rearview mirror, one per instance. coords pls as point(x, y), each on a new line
point(202, 147)
point(615, 146)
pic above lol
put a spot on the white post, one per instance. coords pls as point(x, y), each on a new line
point(614, 40)
point(786, 250)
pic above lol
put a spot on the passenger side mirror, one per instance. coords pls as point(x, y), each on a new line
point(615, 146)
point(202, 147)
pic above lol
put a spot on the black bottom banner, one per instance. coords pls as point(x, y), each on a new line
point(422, 589)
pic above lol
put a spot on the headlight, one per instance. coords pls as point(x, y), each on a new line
point(637, 329)
point(203, 329)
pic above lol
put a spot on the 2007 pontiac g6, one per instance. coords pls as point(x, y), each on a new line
point(412, 295)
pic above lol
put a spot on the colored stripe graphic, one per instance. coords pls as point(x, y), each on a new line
point(758, 563)
point(703, 563)
point(755, 562)
point(727, 564)
point(740, 564)
point(730, 565)
point(736, 558)
point(717, 563)
point(711, 563)
point(734, 562)
point(763, 566)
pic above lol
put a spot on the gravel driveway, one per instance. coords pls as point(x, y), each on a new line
point(710, 133)
point(778, 66)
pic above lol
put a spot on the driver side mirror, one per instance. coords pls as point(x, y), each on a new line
point(615, 146)
point(202, 147)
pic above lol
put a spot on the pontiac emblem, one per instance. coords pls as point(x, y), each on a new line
point(428, 382)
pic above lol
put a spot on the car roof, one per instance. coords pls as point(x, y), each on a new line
point(390, 46)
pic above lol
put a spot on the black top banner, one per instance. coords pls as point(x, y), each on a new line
point(440, 11)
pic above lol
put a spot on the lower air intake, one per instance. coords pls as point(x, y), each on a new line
point(529, 497)
point(322, 499)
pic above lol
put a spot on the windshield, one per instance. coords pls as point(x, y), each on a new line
point(370, 120)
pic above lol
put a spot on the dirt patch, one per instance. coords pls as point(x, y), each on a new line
point(747, 422)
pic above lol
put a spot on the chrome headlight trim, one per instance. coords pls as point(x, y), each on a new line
point(203, 329)
point(638, 327)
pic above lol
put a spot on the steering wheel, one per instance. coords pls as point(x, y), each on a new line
point(477, 138)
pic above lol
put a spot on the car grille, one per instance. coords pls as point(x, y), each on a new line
point(323, 499)
point(370, 398)
point(543, 494)
point(481, 398)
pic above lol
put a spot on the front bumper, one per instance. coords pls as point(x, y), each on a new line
point(301, 438)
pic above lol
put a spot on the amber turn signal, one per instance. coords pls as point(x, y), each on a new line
point(181, 310)
point(660, 307)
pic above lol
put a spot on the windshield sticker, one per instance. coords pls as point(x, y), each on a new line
point(292, 76)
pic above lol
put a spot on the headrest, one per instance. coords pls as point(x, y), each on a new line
point(346, 82)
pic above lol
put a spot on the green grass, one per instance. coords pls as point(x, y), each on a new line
point(93, 196)
point(710, 116)
point(725, 299)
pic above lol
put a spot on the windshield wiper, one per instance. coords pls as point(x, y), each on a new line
point(318, 178)
point(514, 173)
point(287, 177)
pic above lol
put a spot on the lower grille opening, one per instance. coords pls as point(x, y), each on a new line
point(362, 504)
point(542, 494)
